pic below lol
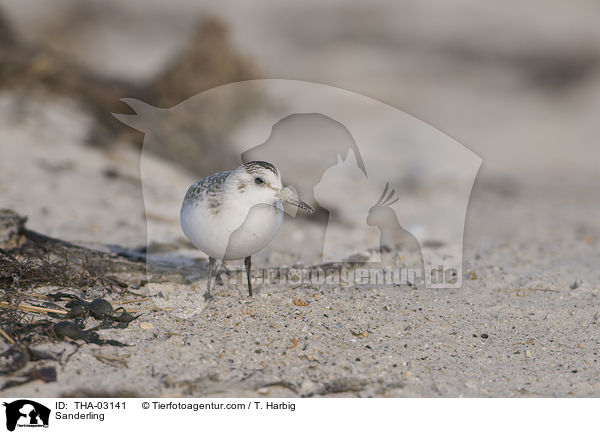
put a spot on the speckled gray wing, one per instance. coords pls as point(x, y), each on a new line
point(207, 190)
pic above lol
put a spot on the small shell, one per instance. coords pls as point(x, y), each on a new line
point(146, 325)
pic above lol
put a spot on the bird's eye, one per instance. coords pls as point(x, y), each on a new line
point(259, 181)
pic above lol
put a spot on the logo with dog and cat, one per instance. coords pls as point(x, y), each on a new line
point(25, 413)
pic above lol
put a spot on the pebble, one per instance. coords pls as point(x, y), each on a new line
point(307, 386)
point(146, 325)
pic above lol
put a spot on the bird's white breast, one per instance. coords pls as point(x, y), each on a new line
point(257, 231)
point(236, 231)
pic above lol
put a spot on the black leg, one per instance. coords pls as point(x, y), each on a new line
point(248, 263)
point(211, 266)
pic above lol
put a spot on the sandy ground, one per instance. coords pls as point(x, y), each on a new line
point(524, 322)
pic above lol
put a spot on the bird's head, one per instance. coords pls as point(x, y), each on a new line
point(260, 182)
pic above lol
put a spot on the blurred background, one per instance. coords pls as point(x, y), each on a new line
point(518, 83)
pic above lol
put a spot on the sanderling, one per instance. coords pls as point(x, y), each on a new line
point(234, 214)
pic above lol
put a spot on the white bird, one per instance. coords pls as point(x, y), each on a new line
point(234, 214)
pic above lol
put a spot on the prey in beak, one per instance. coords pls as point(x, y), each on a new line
point(287, 195)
